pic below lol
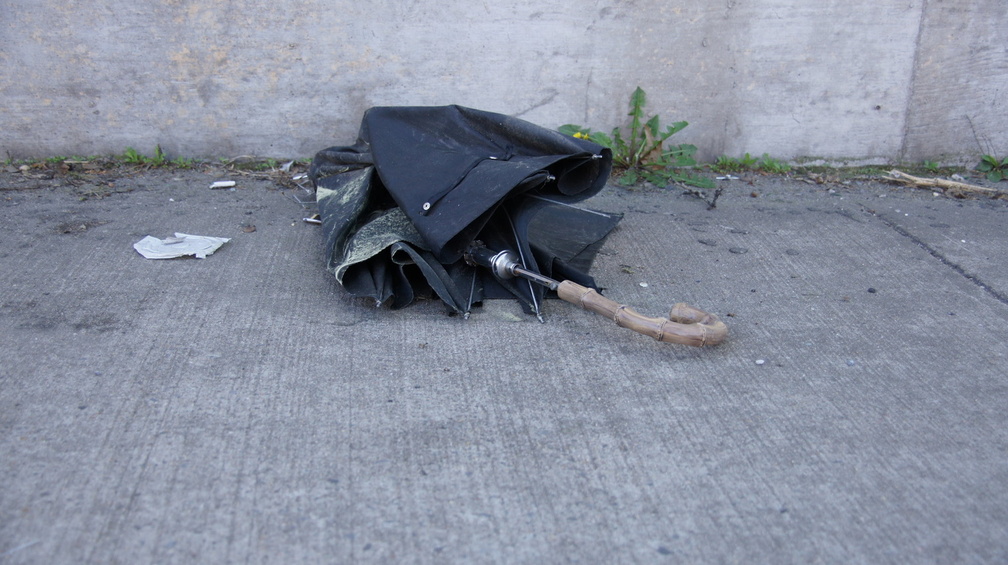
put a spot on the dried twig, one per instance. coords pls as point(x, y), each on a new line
point(951, 187)
point(710, 200)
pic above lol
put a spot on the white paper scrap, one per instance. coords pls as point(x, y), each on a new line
point(181, 245)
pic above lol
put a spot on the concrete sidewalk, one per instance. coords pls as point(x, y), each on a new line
point(242, 408)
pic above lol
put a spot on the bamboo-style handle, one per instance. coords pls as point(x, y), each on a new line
point(685, 324)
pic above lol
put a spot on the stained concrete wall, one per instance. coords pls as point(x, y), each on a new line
point(885, 80)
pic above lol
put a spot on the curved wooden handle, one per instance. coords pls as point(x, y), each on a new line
point(685, 324)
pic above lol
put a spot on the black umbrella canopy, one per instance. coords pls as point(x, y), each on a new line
point(402, 205)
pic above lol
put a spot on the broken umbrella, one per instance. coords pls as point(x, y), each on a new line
point(465, 205)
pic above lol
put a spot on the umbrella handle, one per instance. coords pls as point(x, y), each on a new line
point(685, 324)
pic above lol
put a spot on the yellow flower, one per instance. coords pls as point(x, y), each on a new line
point(580, 135)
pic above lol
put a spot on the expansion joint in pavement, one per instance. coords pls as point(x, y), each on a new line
point(1000, 296)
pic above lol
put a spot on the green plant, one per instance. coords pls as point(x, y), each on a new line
point(259, 165)
point(995, 169)
point(773, 166)
point(159, 157)
point(726, 164)
point(183, 162)
point(133, 157)
point(642, 155)
point(747, 162)
point(931, 167)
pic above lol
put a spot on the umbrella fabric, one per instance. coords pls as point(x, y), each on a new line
point(400, 207)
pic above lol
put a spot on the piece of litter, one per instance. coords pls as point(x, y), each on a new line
point(313, 220)
point(760, 361)
point(181, 245)
point(727, 177)
point(223, 184)
point(644, 285)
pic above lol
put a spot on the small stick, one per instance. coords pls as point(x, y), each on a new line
point(954, 188)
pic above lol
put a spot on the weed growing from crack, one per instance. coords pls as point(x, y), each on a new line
point(133, 157)
point(995, 169)
point(764, 164)
point(642, 154)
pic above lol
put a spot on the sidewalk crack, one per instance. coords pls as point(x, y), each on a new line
point(976, 280)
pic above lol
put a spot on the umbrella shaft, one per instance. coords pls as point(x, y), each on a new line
point(535, 277)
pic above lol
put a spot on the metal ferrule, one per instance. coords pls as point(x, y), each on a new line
point(503, 264)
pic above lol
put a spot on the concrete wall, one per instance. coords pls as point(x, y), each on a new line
point(862, 79)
